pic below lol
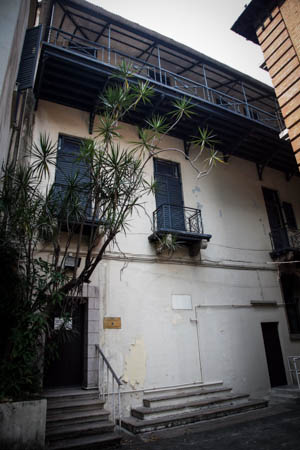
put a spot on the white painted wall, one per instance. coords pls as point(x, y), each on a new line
point(159, 346)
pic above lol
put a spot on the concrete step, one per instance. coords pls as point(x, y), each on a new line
point(287, 392)
point(96, 441)
point(63, 418)
point(70, 394)
point(136, 426)
point(183, 396)
point(72, 405)
point(76, 419)
point(68, 431)
point(161, 411)
point(176, 389)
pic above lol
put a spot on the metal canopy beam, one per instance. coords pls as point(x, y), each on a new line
point(72, 20)
point(225, 84)
point(102, 32)
point(190, 67)
point(150, 46)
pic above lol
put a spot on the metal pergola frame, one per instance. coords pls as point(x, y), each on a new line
point(63, 74)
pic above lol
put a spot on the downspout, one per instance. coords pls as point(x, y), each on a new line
point(196, 320)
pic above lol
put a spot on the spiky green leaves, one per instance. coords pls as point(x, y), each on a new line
point(182, 108)
point(43, 154)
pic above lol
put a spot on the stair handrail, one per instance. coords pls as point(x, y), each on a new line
point(117, 417)
point(294, 369)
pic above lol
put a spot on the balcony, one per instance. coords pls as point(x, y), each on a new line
point(183, 223)
point(285, 243)
point(163, 78)
point(84, 46)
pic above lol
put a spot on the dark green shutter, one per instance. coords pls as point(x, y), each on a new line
point(289, 215)
point(169, 198)
point(67, 166)
point(29, 57)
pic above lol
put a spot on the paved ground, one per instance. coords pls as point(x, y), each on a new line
point(274, 428)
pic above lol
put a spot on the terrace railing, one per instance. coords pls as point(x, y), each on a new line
point(285, 238)
point(162, 77)
point(173, 218)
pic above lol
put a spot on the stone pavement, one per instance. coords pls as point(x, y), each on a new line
point(274, 428)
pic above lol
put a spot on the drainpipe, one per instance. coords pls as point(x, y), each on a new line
point(196, 321)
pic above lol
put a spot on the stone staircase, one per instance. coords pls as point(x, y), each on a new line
point(285, 393)
point(76, 419)
point(186, 406)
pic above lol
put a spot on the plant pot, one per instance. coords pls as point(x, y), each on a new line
point(23, 425)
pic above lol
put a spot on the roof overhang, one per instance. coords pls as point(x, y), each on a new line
point(253, 16)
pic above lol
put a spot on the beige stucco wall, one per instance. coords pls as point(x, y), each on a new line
point(13, 23)
point(158, 345)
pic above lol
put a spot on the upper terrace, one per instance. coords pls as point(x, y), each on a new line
point(84, 45)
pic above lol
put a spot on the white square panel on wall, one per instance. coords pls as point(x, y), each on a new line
point(181, 301)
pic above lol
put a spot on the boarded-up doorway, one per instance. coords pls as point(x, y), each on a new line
point(273, 354)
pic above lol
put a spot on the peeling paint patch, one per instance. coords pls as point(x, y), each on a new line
point(199, 205)
point(196, 189)
point(135, 364)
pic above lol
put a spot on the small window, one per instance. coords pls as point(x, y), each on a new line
point(289, 215)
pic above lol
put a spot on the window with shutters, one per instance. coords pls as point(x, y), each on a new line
point(171, 217)
point(72, 179)
point(169, 198)
point(25, 78)
point(289, 215)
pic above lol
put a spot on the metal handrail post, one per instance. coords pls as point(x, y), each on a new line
point(115, 378)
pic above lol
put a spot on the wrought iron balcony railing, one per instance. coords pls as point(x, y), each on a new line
point(162, 77)
point(183, 223)
point(178, 219)
point(293, 313)
point(284, 239)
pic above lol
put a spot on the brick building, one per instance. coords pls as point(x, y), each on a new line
point(274, 25)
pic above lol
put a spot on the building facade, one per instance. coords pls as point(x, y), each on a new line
point(274, 25)
point(15, 18)
point(200, 316)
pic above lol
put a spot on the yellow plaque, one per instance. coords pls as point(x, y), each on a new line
point(112, 322)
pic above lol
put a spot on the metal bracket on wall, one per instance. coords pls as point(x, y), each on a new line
point(260, 168)
point(187, 146)
point(289, 175)
point(226, 157)
point(91, 121)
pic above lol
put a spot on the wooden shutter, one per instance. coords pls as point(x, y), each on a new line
point(169, 198)
point(289, 215)
point(67, 165)
point(29, 56)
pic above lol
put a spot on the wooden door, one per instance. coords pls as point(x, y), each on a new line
point(66, 369)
